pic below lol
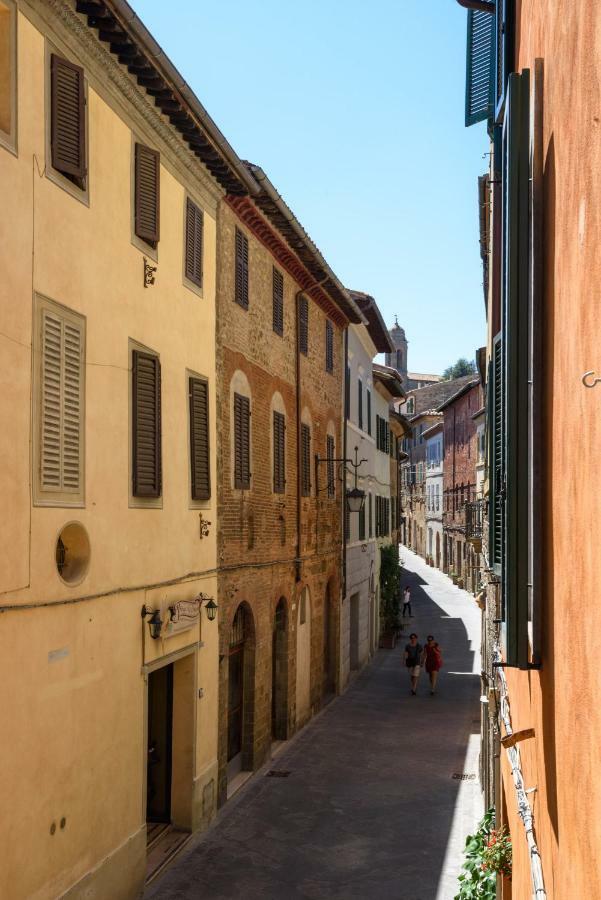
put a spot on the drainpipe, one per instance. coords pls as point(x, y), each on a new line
point(347, 389)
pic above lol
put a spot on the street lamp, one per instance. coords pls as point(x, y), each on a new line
point(155, 622)
point(355, 498)
point(211, 609)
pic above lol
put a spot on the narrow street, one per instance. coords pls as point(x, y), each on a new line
point(373, 805)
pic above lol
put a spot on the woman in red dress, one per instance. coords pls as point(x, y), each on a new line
point(433, 658)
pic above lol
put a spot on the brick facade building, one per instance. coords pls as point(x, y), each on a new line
point(459, 481)
point(279, 398)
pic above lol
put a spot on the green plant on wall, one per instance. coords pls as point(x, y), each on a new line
point(487, 853)
point(390, 586)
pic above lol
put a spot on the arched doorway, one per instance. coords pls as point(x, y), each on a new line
point(279, 673)
point(329, 654)
point(240, 692)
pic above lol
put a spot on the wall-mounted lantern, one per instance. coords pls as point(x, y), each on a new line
point(211, 609)
point(155, 623)
point(355, 498)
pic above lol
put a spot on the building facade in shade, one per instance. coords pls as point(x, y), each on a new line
point(359, 615)
point(281, 315)
point(400, 429)
point(107, 309)
point(460, 458)
point(543, 557)
point(434, 438)
point(397, 358)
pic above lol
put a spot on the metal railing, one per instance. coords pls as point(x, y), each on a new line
point(474, 520)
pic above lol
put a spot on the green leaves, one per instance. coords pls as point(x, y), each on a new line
point(390, 585)
point(476, 882)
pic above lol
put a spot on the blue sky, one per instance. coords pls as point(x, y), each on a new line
point(355, 111)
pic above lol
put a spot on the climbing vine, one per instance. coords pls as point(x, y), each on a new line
point(390, 586)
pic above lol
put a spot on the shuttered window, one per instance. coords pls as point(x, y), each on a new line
point(359, 403)
point(330, 455)
point(8, 73)
point(241, 442)
point(347, 523)
point(368, 410)
point(61, 404)
point(147, 194)
point(279, 453)
point(329, 346)
point(495, 516)
point(370, 515)
point(362, 523)
point(347, 393)
point(146, 425)
point(303, 325)
point(193, 243)
point(479, 80)
point(305, 460)
point(241, 286)
point(200, 472)
point(278, 302)
point(67, 119)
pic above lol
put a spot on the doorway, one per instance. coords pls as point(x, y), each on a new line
point(160, 745)
point(279, 674)
point(329, 655)
point(235, 706)
point(354, 629)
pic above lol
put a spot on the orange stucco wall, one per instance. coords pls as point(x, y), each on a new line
point(561, 701)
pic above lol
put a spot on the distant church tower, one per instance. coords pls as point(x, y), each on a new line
point(398, 359)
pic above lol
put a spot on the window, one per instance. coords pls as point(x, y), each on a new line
point(329, 346)
point(59, 405)
point(410, 405)
point(241, 286)
point(359, 403)
point(67, 119)
point(479, 68)
point(330, 454)
point(305, 460)
point(368, 409)
point(370, 515)
point(193, 243)
point(362, 523)
point(303, 324)
point(278, 302)
point(8, 73)
point(147, 194)
point(241, 442)
point(347, 393)
point(347, 523)
point(200, 473)
point(146, 425)
point(279, 453)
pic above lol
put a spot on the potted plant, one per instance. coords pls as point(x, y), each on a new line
point(487, 854)
point(453, 576)
point(460, 583)
point(390, 589)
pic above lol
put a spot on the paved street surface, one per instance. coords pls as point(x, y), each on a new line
point(370, 808)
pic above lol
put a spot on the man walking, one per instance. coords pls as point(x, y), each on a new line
point(407, 602)
point(413, 660)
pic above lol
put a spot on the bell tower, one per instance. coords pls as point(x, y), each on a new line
point(398, 359)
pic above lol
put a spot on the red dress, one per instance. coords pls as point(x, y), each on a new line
point(433, 658)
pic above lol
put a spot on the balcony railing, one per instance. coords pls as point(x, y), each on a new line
point(474, 520)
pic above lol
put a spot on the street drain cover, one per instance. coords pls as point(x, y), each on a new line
point(278, 773)
point(463, 776)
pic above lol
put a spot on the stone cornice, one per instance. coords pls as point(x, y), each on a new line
point(248, 214)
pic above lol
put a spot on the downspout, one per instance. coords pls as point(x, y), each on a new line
point(346, 392)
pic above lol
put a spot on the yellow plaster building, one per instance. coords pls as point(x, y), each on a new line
point(110, 177)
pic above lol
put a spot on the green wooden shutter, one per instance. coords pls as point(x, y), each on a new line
point(241, 442)
point(329, 346)
point(279, 452)
point(278, 302)
point(368, 410)
point(516, 184)
point(347, 393)
point(146, 425)
point(241, 275)
point(67, 117)
point(359, 403)
point(193, 243)
point(479, 66)
point(147, 191)
point(303, 324)
point(330, 454)
point(200, 474)
point(305, 460)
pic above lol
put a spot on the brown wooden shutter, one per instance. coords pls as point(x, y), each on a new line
point(194, 224)
point(278, 302)
point(305, 460)
point(279, 452)
point(241, 269)
point(61, 404)
point(147, 189)
point(329, 346)
point(67, 114)
point(330, 454)
point(146, 422)
point(303, 325)
point(241, 442)
point(199, 439)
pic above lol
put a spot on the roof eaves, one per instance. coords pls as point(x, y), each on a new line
point(375, 323)
point(462, 390)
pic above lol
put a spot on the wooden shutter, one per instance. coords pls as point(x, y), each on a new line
point(62, 380)
point(147, 191)
point(359, 403)
point(329, 346)
point(241, 442)
point(68, 117)
point(305, 460)
point(241, 287)
point(199, 439)
point(495, 448)
point(279, 452)
point(146, 425)
point(330, 454)
point(303, 324)
point(362, 523)
point(370, 515)
point(516, 352)
point(347, 522)
point(194, 235)
point(347, 393)
point(368, 410)
point(479, 66)
point(278, 302)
